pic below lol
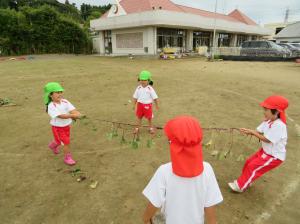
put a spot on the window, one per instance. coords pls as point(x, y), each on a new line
point(129, 40)
point(167, 37)
point(107, 42)
point(246, 45)
point(264, 45)
point(254, 44)
point(224, 39)
point(201, 38)
point(241, 39)
point(278, 29)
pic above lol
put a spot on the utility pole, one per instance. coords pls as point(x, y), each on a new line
point(214, 37)
point(287, 14)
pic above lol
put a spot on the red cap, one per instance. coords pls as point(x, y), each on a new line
point(185, 135)
point(277, 102)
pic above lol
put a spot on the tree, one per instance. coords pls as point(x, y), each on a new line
point(45, 26)
point(40, 30)
point(86, 10)
point(93, 15)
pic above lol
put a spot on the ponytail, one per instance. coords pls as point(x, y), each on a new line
point(49, 101)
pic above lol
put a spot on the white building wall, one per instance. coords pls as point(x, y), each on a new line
point(233, 41)
point(101, 39)
point(189, 40)
point(149, 41)
point(98, 44)
point(284, 40)
point(175, 19)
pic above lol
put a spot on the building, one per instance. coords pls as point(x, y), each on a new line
point(275, 28)
point(144, 27)
point(290, 34)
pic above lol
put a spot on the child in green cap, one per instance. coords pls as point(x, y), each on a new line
point(143, 98)
point(62, 112)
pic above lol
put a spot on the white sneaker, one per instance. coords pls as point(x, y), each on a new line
point(235, 187)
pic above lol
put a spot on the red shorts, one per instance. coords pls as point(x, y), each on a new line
point(61, 135)
point(144, 110)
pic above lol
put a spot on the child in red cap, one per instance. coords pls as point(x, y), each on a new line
point(185, 189)
point(273, 135)
point(143, 98)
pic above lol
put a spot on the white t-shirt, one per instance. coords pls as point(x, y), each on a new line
point(56, 109)
point(183, 200)
point(276, 133)
point(145, 95)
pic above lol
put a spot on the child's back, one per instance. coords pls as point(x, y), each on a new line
point(183, 199)
point(185, 189)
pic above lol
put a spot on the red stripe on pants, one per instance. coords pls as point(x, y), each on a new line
point(255, 166)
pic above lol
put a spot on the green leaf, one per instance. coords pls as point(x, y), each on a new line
point(240, 158)
point(297, 127)
point(135, 144)
point(215, 153)
point(137, 138)
point(150, 143)
point(123, 140)
point(109, 136)
point(208, 144)
point(220, 156)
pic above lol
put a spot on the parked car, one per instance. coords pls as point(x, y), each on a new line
point(264, 48)
point(295, 51)
point(297, 45)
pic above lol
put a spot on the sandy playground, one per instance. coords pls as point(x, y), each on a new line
point(36, 187)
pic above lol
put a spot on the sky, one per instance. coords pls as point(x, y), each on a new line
point(261, 11)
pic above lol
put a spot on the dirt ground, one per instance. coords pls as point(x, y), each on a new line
point(35, 188)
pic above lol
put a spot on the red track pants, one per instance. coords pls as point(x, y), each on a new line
point(255, 166)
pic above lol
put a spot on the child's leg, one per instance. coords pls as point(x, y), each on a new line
point(149, 116)
point(66, 149)
point(139, 115)
point(251, 158)
point(54, 145)
point(151, 129)
point(255, 168)
point(139, 124)
point(65, 139)
point(150, 123)
point(68, 158)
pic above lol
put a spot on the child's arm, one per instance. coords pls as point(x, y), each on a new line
point(149, 213)
point(258, 135)
point(210, 215)
point(74, 114)
point(156, 103)
point(67, 116)
point(134, 103)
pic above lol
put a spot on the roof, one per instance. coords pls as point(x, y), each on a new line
point(238, 15)
point(291, 31)
point(136, 6)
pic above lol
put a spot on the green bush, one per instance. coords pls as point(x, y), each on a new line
point(39, 31)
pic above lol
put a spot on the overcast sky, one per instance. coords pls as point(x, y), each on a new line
point(262, 11)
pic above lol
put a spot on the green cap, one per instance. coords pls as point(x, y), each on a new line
point(50, 88)
point(145, 75)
